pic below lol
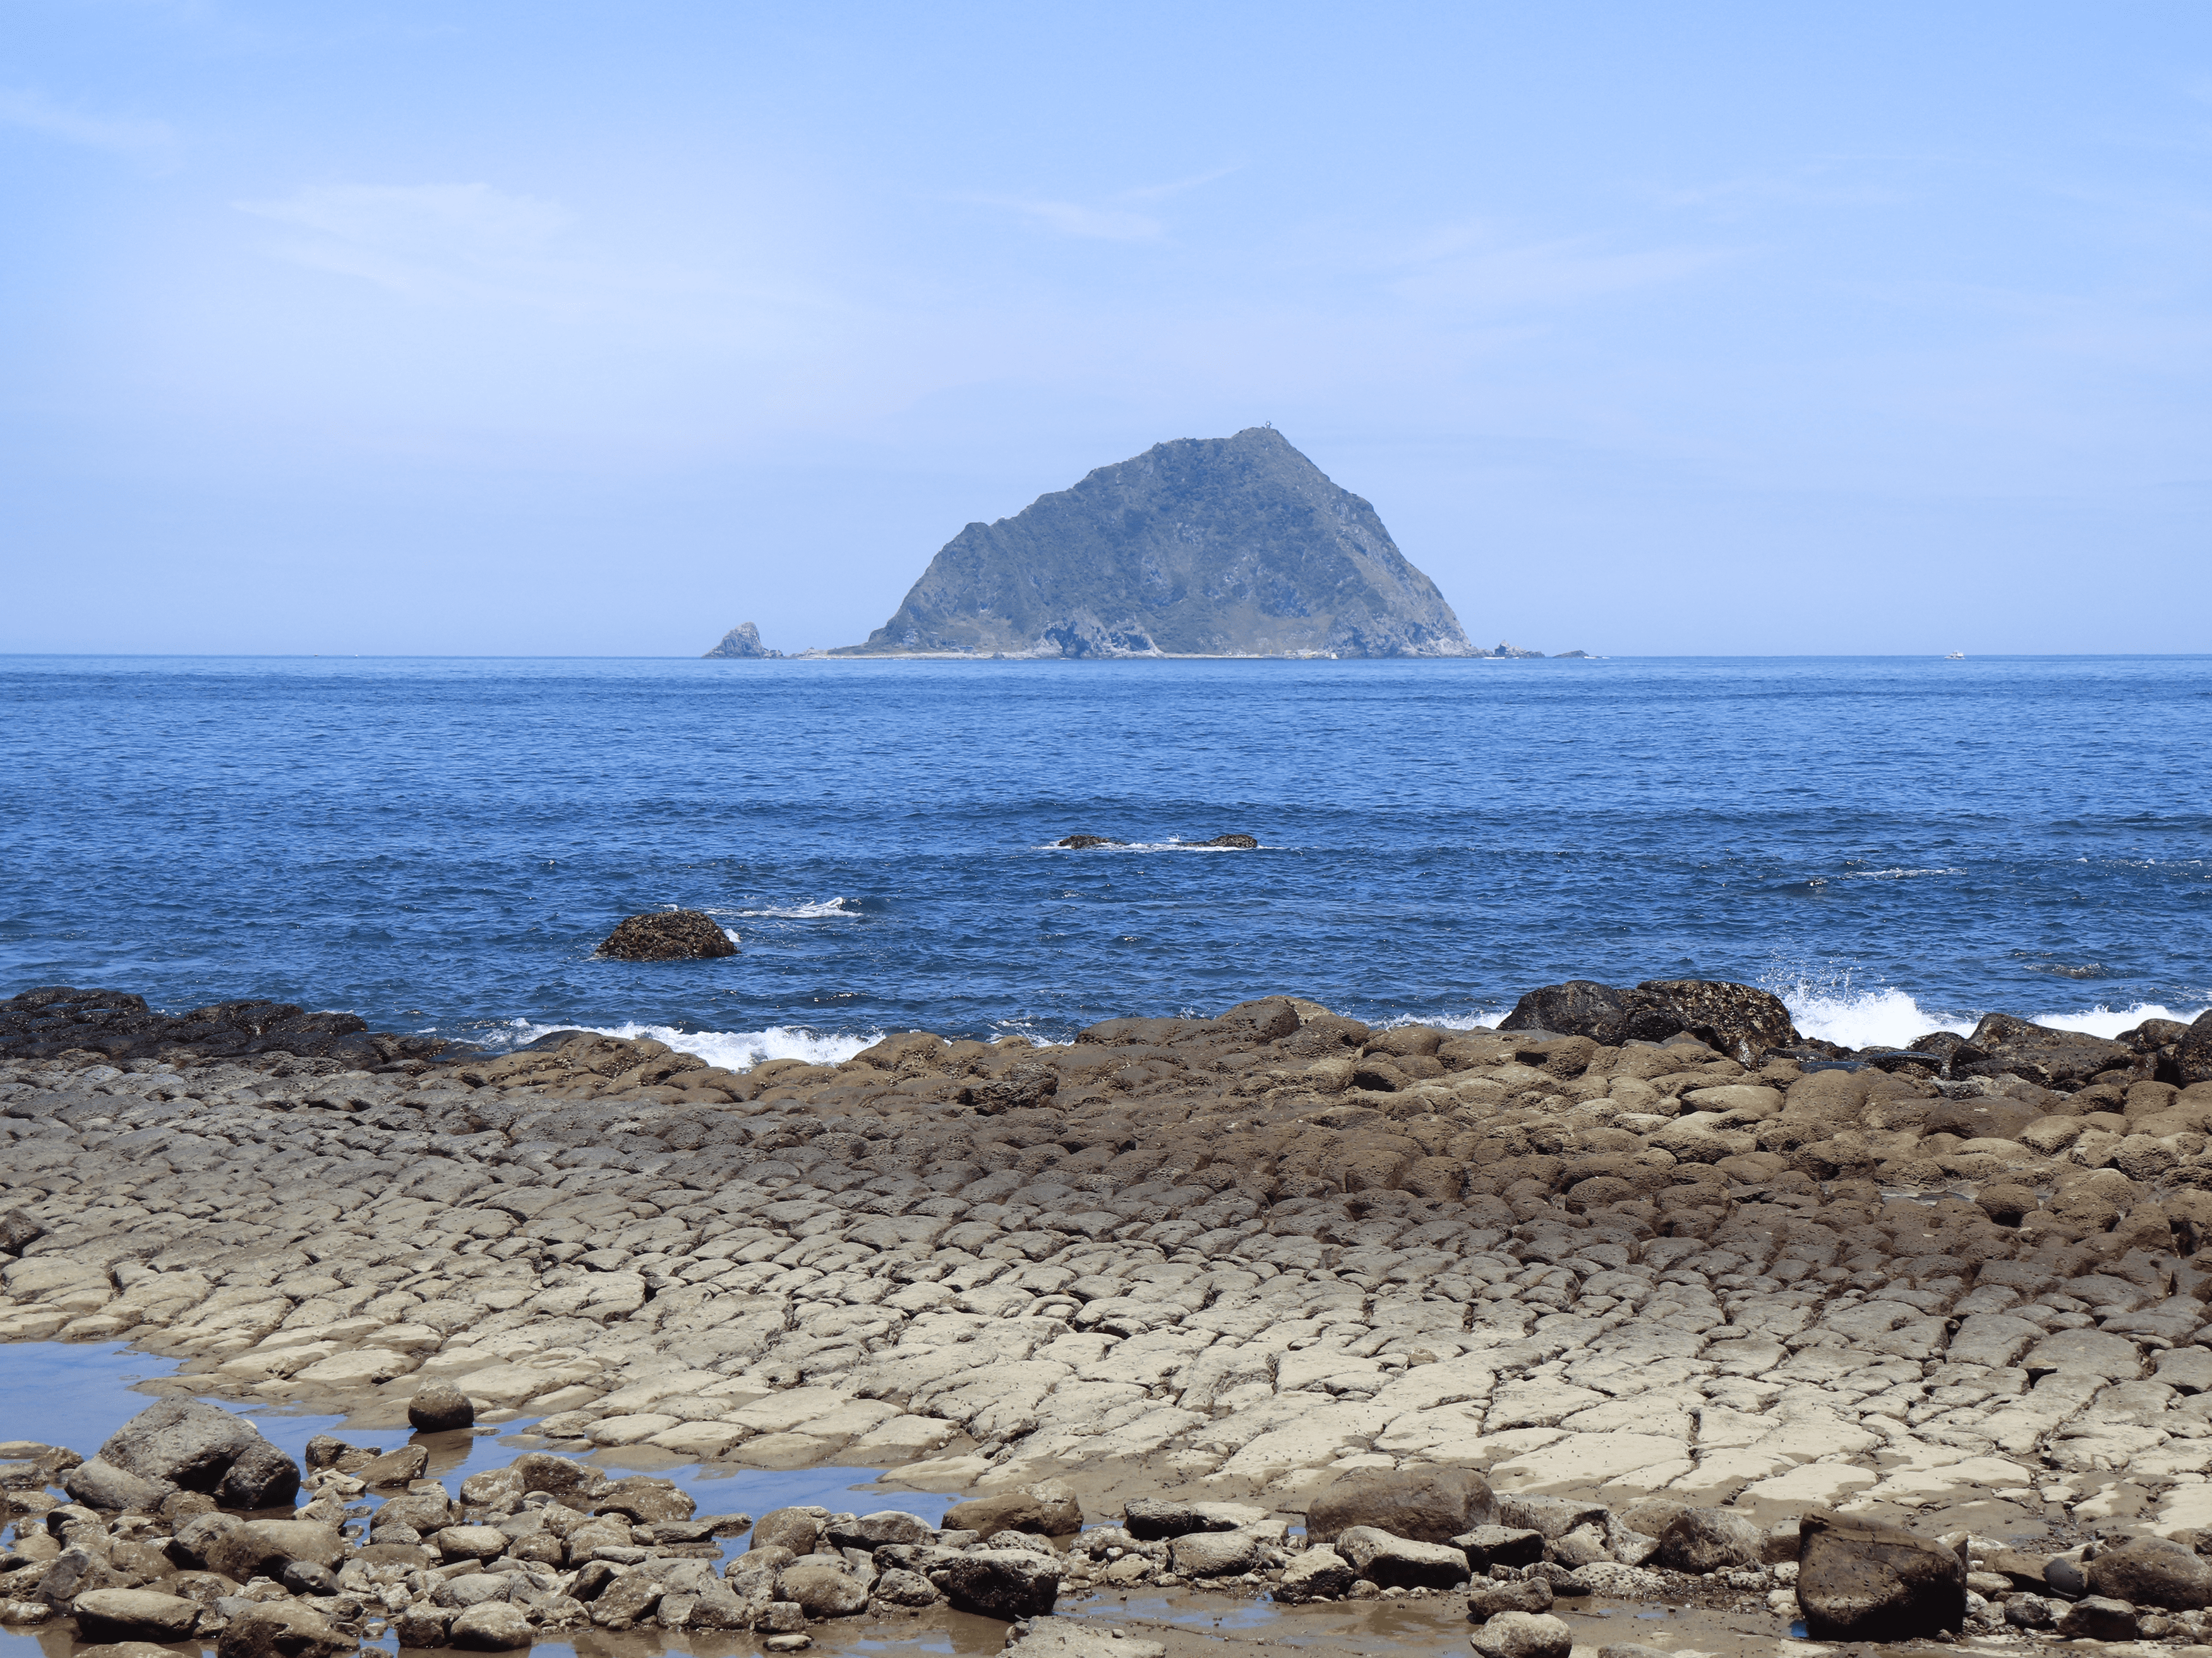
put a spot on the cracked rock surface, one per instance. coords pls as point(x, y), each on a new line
point(1210, 1261)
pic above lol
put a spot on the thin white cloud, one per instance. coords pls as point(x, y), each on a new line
point(1459, 266)
point(1107, 224)
point(1158, 193)
point(473, 219)
point(429, 241)
point(34, 112)
point(1115, 220)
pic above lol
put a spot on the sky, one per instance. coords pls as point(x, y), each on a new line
point(552, 329)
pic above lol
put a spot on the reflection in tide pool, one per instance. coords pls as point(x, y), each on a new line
point(76, 1394)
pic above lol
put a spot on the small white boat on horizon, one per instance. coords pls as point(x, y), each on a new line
point(1956, 656)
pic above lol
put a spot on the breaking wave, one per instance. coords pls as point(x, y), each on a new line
point(808, 912)
point(733, 1050)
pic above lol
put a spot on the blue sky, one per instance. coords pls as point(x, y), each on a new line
point(551, 329)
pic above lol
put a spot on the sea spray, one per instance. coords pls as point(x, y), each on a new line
point(733, 1050)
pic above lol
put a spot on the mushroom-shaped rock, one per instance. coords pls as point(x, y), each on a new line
point(1499, 1597)
point(668, 935)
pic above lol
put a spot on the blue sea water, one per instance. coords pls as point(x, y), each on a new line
point(439, 845)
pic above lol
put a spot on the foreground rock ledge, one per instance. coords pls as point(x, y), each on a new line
point(1217, 1262)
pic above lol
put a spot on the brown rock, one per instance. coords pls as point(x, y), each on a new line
point(1863, 1580)
point(1427, 1504)
point(260, 1548)
point(2150, 1571)
point(134, 1615)
point(439, 1406)
point(282, 1629)
point(1046, 1509)
point(672, 935)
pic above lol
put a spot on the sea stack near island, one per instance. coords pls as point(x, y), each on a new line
point(1236, 546)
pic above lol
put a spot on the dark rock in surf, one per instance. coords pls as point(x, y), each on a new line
point(1085, 842)
point(1580, 1007)
point(2002, 1046)
point(59, 1018)
point(1243, 842)
point(669, 935)
point(1741, 1021)
point(1236, 546)
point(2192, 1054)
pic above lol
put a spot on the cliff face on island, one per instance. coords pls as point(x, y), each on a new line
point(1236, 546)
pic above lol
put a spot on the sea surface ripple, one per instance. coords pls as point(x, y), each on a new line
point(438, 844)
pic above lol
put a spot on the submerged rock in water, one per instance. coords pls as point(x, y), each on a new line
point(1085, 842)
point(1244, 842)
point(668, 935)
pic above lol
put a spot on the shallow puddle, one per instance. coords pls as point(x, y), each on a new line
point(77, 1395)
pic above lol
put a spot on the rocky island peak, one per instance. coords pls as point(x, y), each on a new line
point(1236, 546)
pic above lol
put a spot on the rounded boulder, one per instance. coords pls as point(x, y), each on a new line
point(134, 1615)
point(1700, 1540)
point(2153, 1571)
point(1426, 1504)
point(441, 1407)
point(671, 935)
point(1523, 1635)
point(1864, 1580)
point(494, 1626)
point(824, 1591)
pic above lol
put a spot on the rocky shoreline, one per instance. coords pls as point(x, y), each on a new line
point(1649, 1255)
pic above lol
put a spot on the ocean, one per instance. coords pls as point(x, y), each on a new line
point(1891, 844)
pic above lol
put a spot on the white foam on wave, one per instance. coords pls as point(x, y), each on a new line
point(2105, 1021)
point(1893, 874)
point(1835, 1010)
point(1475, 1021)
point(733, 1050)
point(1887, 1018)
point(810, 912)
point(1154, 846)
